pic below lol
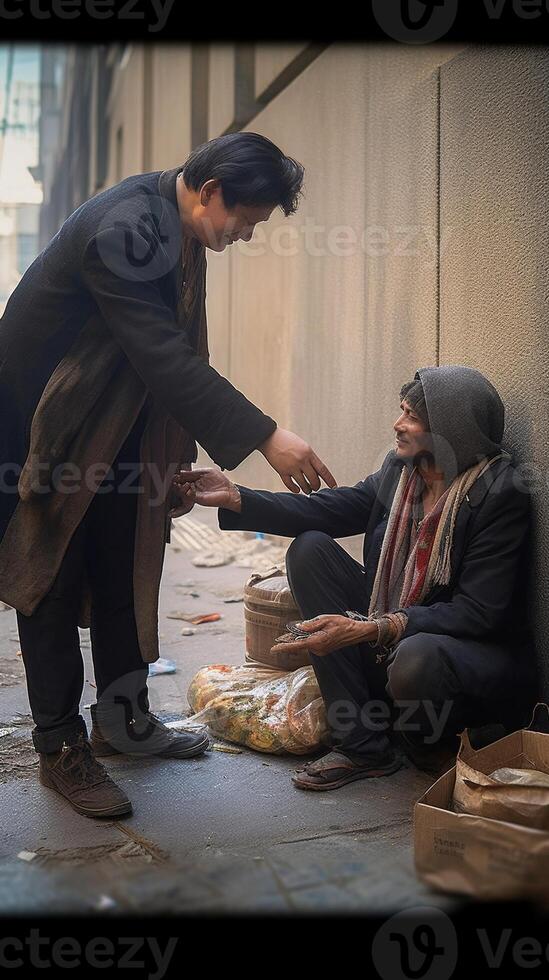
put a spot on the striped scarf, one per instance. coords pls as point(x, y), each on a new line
point(406, 575)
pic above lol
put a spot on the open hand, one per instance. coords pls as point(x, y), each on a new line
point(207, 487)
point(295, 462)
point(329, 633)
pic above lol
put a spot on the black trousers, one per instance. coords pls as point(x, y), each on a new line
point(431, 687)
point(102, 547)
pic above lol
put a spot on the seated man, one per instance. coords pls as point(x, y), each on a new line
point(439, 640)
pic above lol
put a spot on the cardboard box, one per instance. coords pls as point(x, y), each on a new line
point(485, 858)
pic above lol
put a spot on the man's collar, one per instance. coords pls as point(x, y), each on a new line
point(167, 185)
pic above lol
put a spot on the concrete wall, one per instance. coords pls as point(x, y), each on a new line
point(494, 272)
point(221, 89)
point(126, 113)
point(171, 105)
point(330, 311)
point(270, 61)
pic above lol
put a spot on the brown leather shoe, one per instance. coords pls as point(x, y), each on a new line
point(112, 734)
point(75, 774)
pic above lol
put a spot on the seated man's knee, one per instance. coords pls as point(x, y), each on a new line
point(306, 548)
point(418, 670)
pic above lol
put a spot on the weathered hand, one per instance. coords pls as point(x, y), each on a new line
point(207, 487)
point(295, 462)
point(329, 633)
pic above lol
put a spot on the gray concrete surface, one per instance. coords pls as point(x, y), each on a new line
point(224, 833)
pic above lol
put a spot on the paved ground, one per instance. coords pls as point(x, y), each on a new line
point(223, 833)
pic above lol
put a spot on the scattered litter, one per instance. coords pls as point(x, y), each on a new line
point(92, 684)
point(257, 554)
point(19, 653)
point(187, 631)
point(136, 851)
point(235, 598)
point(21, 719)
point(216, 747)
point(6, 731)
point(207, 618)
point(88, 706)
point(214, 547)
point(195, 620)
point(162, 666)
point(191, 592)
point(18, 758)
point(211, 559)
point(184, 724)
point(11, 671)
point(105, 902)
point(26, 855)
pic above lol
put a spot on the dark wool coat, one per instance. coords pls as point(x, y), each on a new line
point(117, 259)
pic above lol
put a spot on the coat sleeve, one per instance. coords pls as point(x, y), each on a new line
point(223, 421)
point(481, 602)
point(340, 512)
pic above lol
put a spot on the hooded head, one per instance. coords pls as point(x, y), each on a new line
point(464, 414)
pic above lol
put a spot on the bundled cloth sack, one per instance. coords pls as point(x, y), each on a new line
point(265, 709)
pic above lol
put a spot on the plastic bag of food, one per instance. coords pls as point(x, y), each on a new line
point(521, 777)
point(267, 710)
point(521, 796)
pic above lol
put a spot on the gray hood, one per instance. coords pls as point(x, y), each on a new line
point(466, 416)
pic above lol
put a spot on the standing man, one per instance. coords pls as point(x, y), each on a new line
point(104, 385)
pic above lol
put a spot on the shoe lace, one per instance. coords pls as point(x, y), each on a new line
point(150, 719)
point(78, 759)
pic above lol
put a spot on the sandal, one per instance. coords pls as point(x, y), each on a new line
point(337, 769)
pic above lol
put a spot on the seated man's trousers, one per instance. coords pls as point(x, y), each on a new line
point(431, 687)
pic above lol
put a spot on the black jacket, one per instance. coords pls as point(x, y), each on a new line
point(79, 274)
point(485, 597)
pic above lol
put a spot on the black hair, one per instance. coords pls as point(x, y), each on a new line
point(414, 394)
point(251, 169)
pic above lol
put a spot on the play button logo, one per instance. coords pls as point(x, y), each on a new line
point(415, 21)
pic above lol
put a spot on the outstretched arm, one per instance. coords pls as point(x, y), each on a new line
point(340, 512)
point(219, 416)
